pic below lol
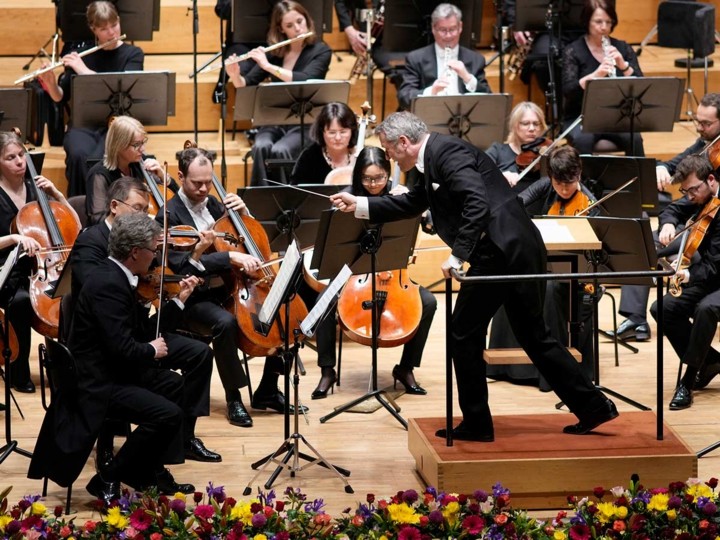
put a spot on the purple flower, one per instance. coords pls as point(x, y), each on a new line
point(177, 505)
point(410, 496)
point(709, 508)
point(480, 495)
point(268, 498)
point(314, 506)
point(13, 527)
point(432, 491)
point(259, 520)
point(217, 493)
point(436, 517)
point(498, 490)
point(365, 511)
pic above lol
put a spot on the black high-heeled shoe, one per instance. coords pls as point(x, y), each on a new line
point(327, 382)
point(407, 379)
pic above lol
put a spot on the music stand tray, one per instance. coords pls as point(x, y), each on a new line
point(15, 109)
point(480, 119)
point(148, 96)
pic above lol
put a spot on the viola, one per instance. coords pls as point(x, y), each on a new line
point(55, 227)
point(529, 153)
point(712, 150)
point(14, 345)
point(576, 205)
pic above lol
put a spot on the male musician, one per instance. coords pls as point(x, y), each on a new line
point(204, 313)
point(443, 67)
point(634, 298)
point(700, 283)
point(119, 375)
point(477, 215)
point(191, 357)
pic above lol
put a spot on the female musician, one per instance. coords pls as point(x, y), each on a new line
point(370, 179)
point(545, 197)
point(15, 192)
point(124, 154)
point(525, 125)
point(594, 56)
point(334, 135)
point(299, 61)
point(83, 143)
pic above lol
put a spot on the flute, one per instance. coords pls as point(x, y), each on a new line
point(245, 56)
point(55, 65)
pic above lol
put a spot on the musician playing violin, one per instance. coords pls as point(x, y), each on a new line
point(15, 192)
point(691, 319)
point(204, 313)
point(83, 143)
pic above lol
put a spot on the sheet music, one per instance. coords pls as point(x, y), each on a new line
point(328, 296)
point(280, 285)
point(9, 264)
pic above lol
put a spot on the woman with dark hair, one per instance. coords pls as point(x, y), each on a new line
point(595, 56)
point(299, 61)
point(334, 135)
point(370, 178)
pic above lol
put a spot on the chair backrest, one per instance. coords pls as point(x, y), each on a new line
point(60, 368)
point(78, 204)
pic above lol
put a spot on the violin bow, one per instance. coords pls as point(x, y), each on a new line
point(163, 255)
point(606, 197)
point(550, 147)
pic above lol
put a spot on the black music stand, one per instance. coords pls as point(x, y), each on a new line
point(145, 95)
point(369, 249)
point(250, 18)
point(480, 119)
point(631, 105)
point(139, 19)
point(15, 109)
point(10, 445)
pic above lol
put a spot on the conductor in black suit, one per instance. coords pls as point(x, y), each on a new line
point(444, 67)
point(485, 224)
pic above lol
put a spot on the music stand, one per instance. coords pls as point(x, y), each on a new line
point(250, 18)
point(282, 210)
point(367, 249)
point(15, 109)
point(531, 15)
point(611, 172)
point(145, 95)
point(139, 19)
point(480, 119)
point(631, 105)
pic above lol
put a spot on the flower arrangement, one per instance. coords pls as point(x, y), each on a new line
point(682, 511)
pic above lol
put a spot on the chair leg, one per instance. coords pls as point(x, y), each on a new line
point(339, 358)
point(67, 501)
point(44, 488)
point(247, 372)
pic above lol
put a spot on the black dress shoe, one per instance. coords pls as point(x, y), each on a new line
point(25, 388)
point(196, 451)
point(2, 407)
point(407, 379)
point(102, 490)
point(462, 432)
point(275, 401)
point(237, 414)
point(629, 330)
point(327, 382)
point(706, 374)
point(167, 485)
point(682, 398)
point(591, 420)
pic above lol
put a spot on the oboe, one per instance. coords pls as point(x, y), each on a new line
point(606, 52)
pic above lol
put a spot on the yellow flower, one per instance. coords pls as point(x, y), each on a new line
point(383, 537)
point(259, 537)
point(621, 512)
point(606, 511)
point(180, 496)
point(38, 509)
point(659, 502)
point(115, 519)
point(672, 515)
point(403, 513)
point(451, 511)
point(4, 520)
point(699, 490)
point(241, 512)
point(559, 535)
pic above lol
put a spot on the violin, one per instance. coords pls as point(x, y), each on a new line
point(148, 289)
point(55, 227)
point(576, 205)
point(14, 345)
point(712, 150)
point(185, 237)
point(529, 153)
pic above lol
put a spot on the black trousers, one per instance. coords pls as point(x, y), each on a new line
point(20, 314)
point(81, 144)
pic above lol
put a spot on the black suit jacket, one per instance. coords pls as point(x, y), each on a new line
point(90, 249)
point(474, 210)
point(421, 70)
point(313, 63)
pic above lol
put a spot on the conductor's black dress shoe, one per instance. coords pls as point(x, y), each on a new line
point(590, 420)
point(237, 414)
point(196, 451)
point(167, 485)
point(463, 432)
point(103, 490)
point(682, 398)
point(706, 374)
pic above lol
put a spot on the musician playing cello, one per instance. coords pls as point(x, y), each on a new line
point(15, 192)
point(699, 283)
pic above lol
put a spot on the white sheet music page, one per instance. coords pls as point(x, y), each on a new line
point(9, 264)
point(308, 324)
point(280, 285)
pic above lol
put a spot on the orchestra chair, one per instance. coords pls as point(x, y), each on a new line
point(604, 146)
point(77, 203)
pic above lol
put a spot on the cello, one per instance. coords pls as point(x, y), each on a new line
point(12, 340)
point(55, 227)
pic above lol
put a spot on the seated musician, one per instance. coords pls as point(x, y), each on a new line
point(83, 143)
point(298, 61)
point(370, 179)
point(526, 126)
point(119, 375)
point(444, 67)
point(691, 319)
point(334, 135)
point(634, 298)
point(561, 194)
point(15, 192)
point(124, 155)
point(205, 313)
point(191, 357)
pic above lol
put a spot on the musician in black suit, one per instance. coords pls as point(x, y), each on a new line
point(205, 313)
point(443, 68)
point(119, 375)
point(478, 216)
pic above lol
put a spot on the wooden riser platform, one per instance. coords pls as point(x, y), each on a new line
point(541, 465)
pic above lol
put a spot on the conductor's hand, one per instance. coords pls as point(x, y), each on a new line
point(345, 202)
point(666, 234)
point(160, 347)
point(446, 267)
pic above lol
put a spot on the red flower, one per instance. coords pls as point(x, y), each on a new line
point(501, 519)
point(409, 533)
point(424, 520)
point(463, 498)
point(140, 520)
point(58, 511)
point(473, 524)
point(370, 498)
point(322, 519)
point(90, 526)
point(282, 535)
point(279, 506)
point(197, 497)
point(703, 524)
point(204, 511)
point(156, 536)
point(383, 504)
point(256, 507)
point(712, 483)
point(268, 511)
point(502, 500)
point(357, 520)
point(618, 525)
point(579, 531)
point(65, 531)
point(599, 492)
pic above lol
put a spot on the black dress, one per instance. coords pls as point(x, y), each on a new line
point(311, 167)
point(504, 157)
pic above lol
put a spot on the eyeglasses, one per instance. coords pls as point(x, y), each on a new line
point(134, 207)
point(692, 190)
point(703, 123)
point(600, 22)
point(155, 251)
point(450, 31)
point(339, 133)
point(528, 124)
point(368, 180)
point(139, 144)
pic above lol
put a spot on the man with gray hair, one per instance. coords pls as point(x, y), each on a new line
point(485, 224)
point(443, 67)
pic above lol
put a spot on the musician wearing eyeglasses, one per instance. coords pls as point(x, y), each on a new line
point(691, 315)
point(83, 143)
point(444, 67)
